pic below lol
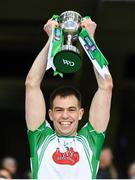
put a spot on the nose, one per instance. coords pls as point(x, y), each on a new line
point(65, 115)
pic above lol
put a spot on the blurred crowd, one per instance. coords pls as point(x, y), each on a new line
point(107, 169)
point(9, 169)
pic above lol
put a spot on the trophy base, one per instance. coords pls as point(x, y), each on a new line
point(68, 59)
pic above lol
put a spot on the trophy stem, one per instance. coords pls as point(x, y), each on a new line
point(69, 39)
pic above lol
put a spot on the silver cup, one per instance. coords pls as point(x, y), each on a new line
point(69, 22)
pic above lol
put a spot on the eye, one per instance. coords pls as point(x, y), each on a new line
point(58, 110)
point(72, 109)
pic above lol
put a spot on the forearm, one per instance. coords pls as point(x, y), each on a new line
point(37, 71)
point(104, 84)
point(99, 114)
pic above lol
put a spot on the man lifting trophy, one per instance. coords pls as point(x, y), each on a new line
point(64, 152)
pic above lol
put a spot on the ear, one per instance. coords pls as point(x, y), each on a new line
point(81, 112)
point(50, 114)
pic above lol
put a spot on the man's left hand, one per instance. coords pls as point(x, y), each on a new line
point(90, 26)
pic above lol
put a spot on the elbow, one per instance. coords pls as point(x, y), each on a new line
point(30, 82)
point(108, 83)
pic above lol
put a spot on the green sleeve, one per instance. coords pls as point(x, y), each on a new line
point(37, 137)
point(94, 138)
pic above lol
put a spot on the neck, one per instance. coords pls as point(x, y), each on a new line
point(67, 135)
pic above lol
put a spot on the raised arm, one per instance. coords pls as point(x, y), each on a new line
point(99, 113)
point(35, 108)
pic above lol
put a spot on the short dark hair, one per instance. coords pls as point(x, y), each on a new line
point(65, 91)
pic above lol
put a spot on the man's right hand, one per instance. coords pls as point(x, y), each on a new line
point(49, 26)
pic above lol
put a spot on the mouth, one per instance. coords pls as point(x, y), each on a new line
point(66, 127)
point(65, 123)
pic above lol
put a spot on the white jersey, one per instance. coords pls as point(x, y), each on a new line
point(56, 157)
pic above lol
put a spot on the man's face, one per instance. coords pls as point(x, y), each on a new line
point(65, 115)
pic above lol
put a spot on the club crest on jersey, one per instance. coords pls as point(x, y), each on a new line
point(69, 157)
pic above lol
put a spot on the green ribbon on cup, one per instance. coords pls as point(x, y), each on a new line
point(93, 52)
point(86, 17)
point(58, 73)
point(55, 17)
point(92, 49)
point(55, 46)
point(57, 41)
